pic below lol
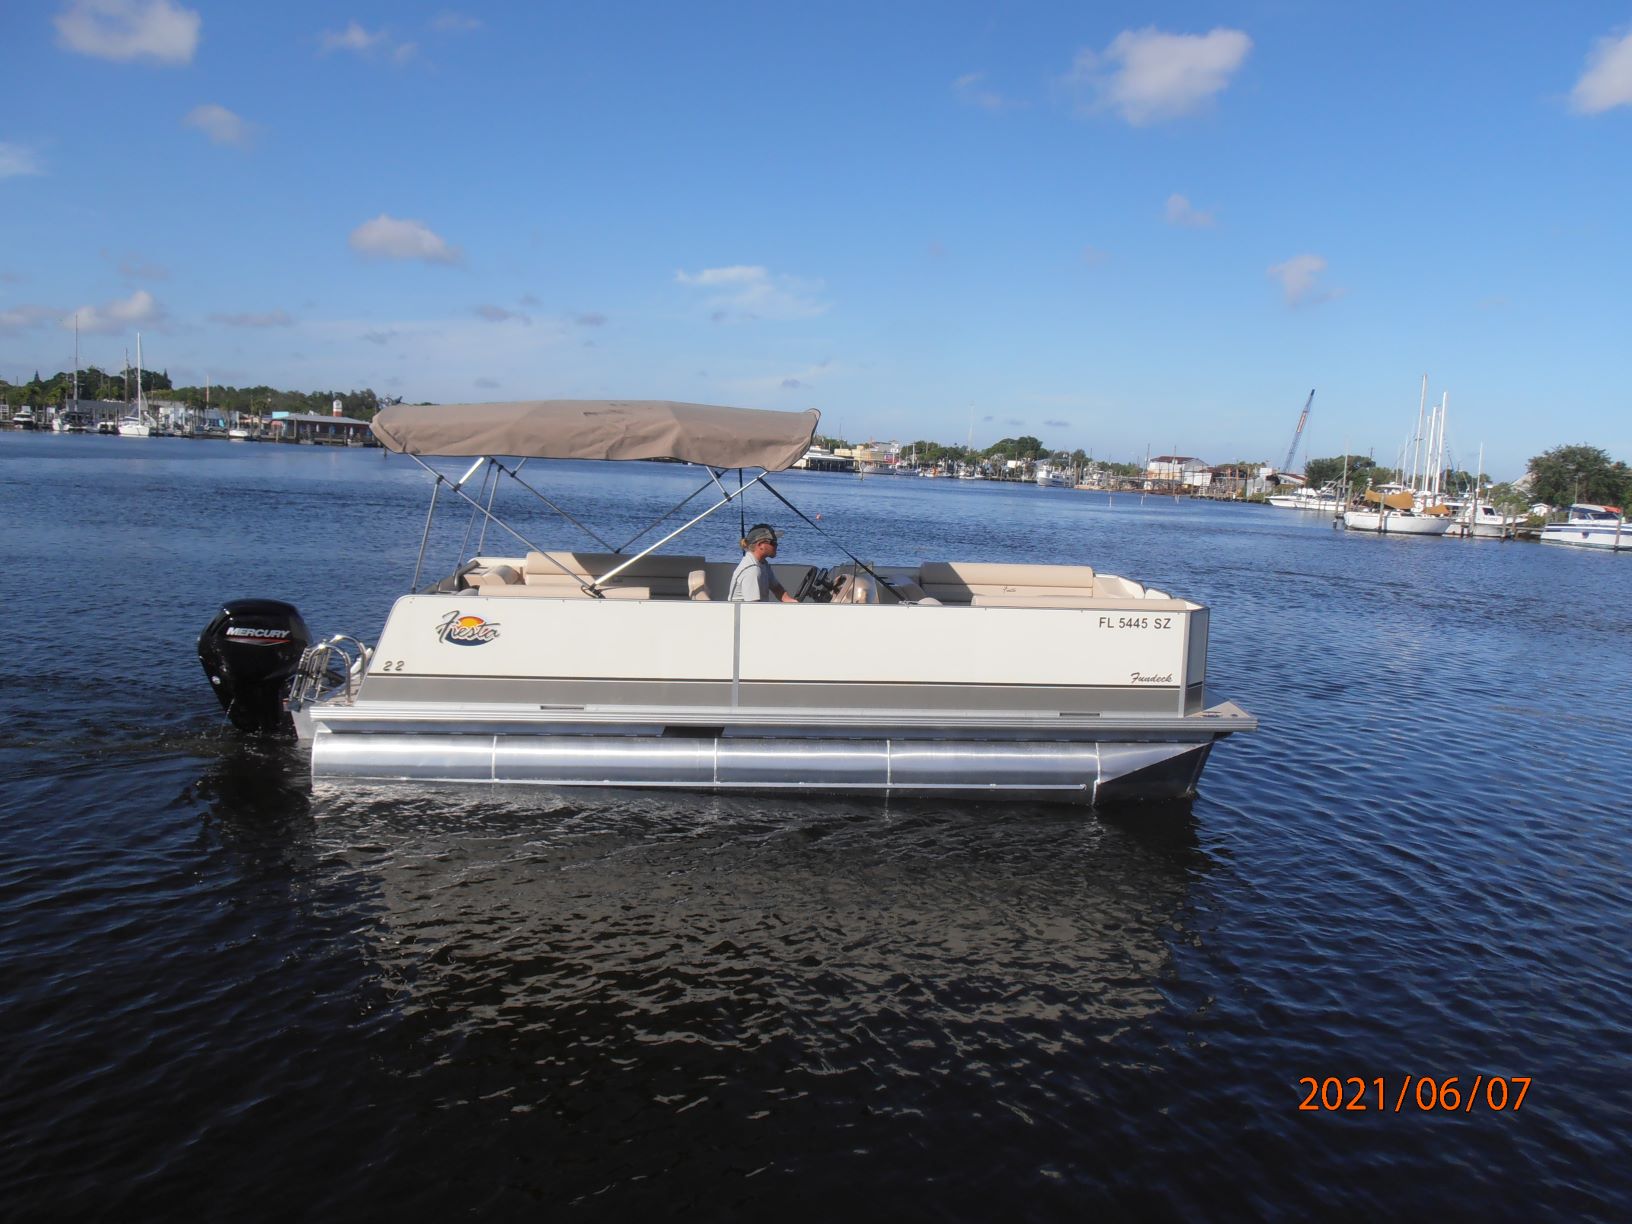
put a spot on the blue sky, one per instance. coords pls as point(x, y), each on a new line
point(1114, 226)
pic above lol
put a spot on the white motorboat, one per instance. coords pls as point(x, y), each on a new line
point(1483, 521)
point(23, 418)
point(1326, 498)
point(612, 669)
point(1590, 526)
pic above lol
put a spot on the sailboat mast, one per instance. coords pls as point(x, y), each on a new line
point(1428, 453)
point(1439, 461)
point(76, 361)
point(141, 403)
point(1416, 452)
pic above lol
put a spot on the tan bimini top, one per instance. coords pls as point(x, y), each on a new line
point(601, 429)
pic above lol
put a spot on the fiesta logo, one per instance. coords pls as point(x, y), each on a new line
point(466, 630)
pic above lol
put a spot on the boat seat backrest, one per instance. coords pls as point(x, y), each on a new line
point(1112, 587)
point(613, 590)
point(493, 576)
point(564, 573)
point(961, 581)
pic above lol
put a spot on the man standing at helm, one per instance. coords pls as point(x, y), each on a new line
point(753, 580)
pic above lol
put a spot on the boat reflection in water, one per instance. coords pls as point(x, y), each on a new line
point(631, 945)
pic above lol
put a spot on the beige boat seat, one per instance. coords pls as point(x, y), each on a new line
point(565, 590)
point(988, 584)
point(497, 575)
point(960, 582)
point(564, 574)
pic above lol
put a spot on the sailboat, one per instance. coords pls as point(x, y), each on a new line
point(70, 419)
point(967, 470)
point(1416, 508)
point(137, 426)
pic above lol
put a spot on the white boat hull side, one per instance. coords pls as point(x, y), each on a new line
point(1395, 524)
point(1080, 773)
point(1104, 703)
point(1578, 536)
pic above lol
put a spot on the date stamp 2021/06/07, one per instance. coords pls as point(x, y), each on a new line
point(1413, 1094)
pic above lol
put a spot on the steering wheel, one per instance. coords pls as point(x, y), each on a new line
point(814, 587)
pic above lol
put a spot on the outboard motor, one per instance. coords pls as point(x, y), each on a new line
point(250, 652)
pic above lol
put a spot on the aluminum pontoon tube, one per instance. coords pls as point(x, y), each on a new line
point(1082, 773)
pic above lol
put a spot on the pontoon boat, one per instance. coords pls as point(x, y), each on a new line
point(617, 668)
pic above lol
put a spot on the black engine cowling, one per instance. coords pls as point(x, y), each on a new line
point(250, 652)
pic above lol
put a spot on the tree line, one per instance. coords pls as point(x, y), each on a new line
point(1026, 448)
point(1559, 476)
point(98, 384)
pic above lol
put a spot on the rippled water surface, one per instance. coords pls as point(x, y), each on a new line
point(226, 992)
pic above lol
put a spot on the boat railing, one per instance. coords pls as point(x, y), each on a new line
point(332, 669)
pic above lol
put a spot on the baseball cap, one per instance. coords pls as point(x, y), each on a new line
point(761, 531)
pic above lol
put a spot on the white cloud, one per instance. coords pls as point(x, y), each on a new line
point(1299, 277)
point(1179, 211)
point(17, 161)
point(743, 291)
point(1146, 76)
point(1607, 80)
point(159, 30)
point(387, 237)
point(117, 316)
point(360, 41)
point(219, 124)
point(970, 89)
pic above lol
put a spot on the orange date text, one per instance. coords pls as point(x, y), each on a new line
point(1413, 1094)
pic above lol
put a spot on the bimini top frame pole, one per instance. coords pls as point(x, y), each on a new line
point(458, 488)
point(591, 588)
point(683, 528)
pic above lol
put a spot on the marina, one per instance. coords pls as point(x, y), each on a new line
point(483, 990)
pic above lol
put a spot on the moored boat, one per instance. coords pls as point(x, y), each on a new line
point(1395, 512)
point(1482, 521)
point(1590, 526)
point(603, 668)
point(1326, 498)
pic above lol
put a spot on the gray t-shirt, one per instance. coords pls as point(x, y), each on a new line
point(751, 581)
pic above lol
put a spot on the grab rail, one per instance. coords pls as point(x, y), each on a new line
point(314, 680)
